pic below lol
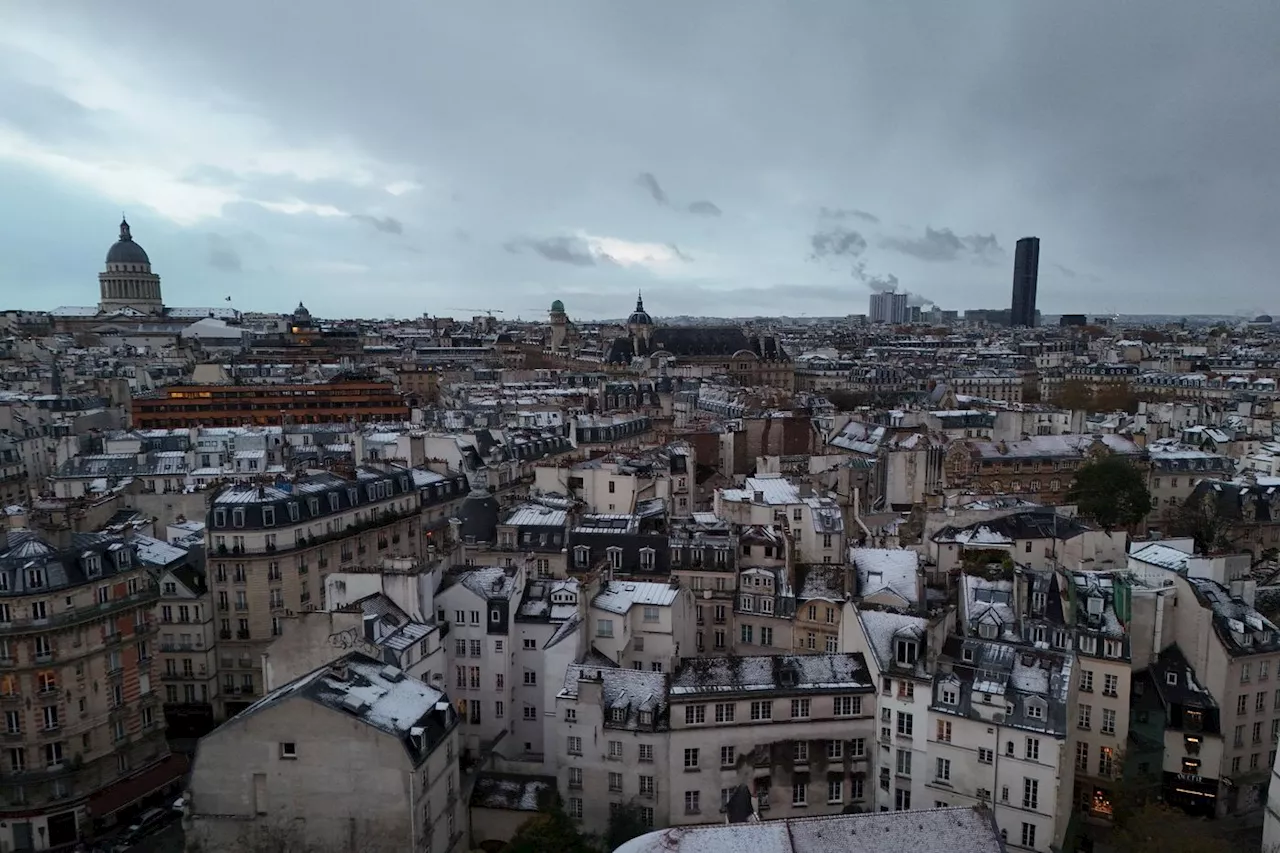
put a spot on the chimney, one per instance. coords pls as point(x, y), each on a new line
point(338, 670)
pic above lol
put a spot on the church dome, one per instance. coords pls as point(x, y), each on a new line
point(639, 317)
point(125, 251)
point(557, 306)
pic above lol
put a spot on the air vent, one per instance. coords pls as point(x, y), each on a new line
point(392, 674)
point(354, 704)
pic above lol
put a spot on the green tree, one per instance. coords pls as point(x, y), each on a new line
point(1157, 828)
point(625, 823)
point(1112, 492)
point(1199, 518)
point(550, 830)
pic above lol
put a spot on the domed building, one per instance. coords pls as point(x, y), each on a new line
point(564, 334)
point(129, 299)
point(703, 351)
point(128, 284)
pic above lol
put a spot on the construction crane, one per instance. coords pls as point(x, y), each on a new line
point(489, 311)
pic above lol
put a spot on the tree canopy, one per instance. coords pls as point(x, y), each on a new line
point(550, 830)
point(1112, 492)
point(625, 823)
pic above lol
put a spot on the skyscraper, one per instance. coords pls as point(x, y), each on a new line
point(1026, 269)
point(888, 307)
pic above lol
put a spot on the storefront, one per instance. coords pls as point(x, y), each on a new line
point(1193, 793)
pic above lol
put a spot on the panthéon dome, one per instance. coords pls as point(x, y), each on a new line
point(125, 251)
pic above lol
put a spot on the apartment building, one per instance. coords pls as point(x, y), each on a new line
point(704, 558)
point(273, 777)
point(638, 625)
point(897, 648)
point(1041, 467)
point(821, 593)
point(612, 743)
point(236, 405)
point(547, 637)
point(815, 524)
point(84, 726)
point(479, 605)
point(1175, 470)
point(999, 735)
point(187, 657)
point(623, 483)
point(765, 608)
point(795, 730)
point(539, 530)
point(270, 547)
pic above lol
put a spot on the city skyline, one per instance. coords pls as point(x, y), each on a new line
point(785, 164)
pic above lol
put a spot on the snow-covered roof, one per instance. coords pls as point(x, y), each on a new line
point(621, 596)
point(892, 570)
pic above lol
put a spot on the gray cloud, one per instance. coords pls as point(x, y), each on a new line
point(651, 185)
point(942, 244)
point(223, 256)
point(385, 224)
point(887, 283)
point(836, 242)
point(848, 213)
point(563, 250)
point(703, 208)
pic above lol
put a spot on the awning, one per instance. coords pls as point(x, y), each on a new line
point(126, 792)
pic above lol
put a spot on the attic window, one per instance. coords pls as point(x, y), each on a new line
point(615, 556)
point(93, 565)
point(987, 631)
point(581, 556)
point(966, 654)
point(646, 718)
point(219, 518)
point(1171, 678)
point(1035, 709)
point(906, 652)
point(618, 715)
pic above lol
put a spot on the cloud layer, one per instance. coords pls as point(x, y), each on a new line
point(726, 157)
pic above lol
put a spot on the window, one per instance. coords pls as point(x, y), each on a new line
point(942, 769)
point(800, 794)
point(531, 713)
point(1030, 793)
point(800, 752)
point(727, 756)
point(950, 696)
point(530, 645)
point(835, 791)
point(691, 802)
point(762, 710)
point(691, 759)
point(903, 765)
point(575, 745)
point(1108, 721)
point(694, 714)
point(906, 652)
point(905, 724)
point(1086, 681)
point(646, 753)
point(1032, 752)
point(575, 777)
point(944, 731)
point(902, 799)
point(1028, 835)
point(615, 783)
point(985, 756)
point(847, 706)
point(575, 808)
point(646, 786)
point(766, 636)
point(288, 749)
point(799, 709)
point(724, 712)
point(604, 628)
point(1084, 716)
point(500, 710)
point(835, 750)
point(530, 678)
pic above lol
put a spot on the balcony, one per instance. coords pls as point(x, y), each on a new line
point(80, 615)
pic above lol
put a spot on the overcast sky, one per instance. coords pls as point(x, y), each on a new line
point(727, 158)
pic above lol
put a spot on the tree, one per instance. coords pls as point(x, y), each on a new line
point(549, 830)
point(1157, 828)
point(1074, 394)
point(1199, 518)
point(1115, 397)
point(625, 823)
point(1112, 492)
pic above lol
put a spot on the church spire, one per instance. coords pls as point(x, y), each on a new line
point(125, 235)
point(639, 301)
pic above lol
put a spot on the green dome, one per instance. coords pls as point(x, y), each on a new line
point(557, 306)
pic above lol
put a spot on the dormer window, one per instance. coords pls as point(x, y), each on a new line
point(905, 652)
point(1035, 709)
point(294, 511)
point(1112, 648)
point(581, 556)
point(269, 516)
point(93, 565)
point(1038, 601)
point(615, 556)
point(647, 559)
point(646, 718)
point(950, 696)
point(1089, 645)
point(237, 517)
point(219, 518)
point(966, 654)
point(333, 502)
point(987, 631)
point(35, 578)
point(1171, 678)
point(618, 715)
